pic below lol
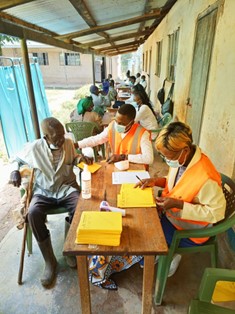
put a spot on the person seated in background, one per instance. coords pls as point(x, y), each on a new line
point(128, 140)
point(132, 80)
point(110, 77)
point(105, 87)
point(192, 196)
point(143, 81)
point(144, 112)
point(84, 112)
point(112, 94)
point(99, 101)
point(137, 81)
point(53, 158)
point(128, 74)
point(134, 88)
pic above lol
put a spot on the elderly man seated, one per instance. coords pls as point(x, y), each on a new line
point(53, 158)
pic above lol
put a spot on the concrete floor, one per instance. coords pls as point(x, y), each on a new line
point(63, 298)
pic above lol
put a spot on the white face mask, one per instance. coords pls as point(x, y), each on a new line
point(52, 146)
point(120, 128)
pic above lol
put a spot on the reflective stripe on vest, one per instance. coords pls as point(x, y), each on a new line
point(186, 189)
point(130, 144)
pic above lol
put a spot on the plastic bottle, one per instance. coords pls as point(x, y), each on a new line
point(86, 183)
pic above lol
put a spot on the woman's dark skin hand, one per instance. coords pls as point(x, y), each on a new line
point(145, 183)
point(168, 202)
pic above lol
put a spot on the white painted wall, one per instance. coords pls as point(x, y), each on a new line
point(56, 75)
point(218, 126)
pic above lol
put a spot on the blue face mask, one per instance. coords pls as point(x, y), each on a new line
point(120, 128)
point(174, 163)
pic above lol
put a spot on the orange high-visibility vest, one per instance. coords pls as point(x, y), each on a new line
point(186, 189)
point(130, 144)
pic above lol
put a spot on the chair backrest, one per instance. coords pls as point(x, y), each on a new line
point(80, 129)
point(228, 186)
point(165, 119)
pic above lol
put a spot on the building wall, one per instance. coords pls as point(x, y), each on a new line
point(218, 124)
point(56, 75)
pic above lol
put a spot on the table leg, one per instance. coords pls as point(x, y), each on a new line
point(83, 280)
point(147, 284)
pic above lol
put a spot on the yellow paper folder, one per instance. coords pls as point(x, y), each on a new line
point(92, 168)
point(130, 197)
point(103, 228)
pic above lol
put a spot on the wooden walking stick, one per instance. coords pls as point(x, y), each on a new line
point(28, 199)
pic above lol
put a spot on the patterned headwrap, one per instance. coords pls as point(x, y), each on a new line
point(84, 104)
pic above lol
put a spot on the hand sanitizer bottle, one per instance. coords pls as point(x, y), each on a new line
point(86, 183)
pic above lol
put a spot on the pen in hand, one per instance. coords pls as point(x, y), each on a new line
point(139, 179)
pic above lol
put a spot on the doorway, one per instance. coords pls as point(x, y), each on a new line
point(203, 46)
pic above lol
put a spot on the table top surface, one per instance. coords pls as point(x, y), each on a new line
point(142, 232)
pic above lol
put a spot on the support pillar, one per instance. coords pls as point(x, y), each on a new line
point(29, 82)
point(93, 68)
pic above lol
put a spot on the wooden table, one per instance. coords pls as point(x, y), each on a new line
point(124, 89)
point(123, 96)
point(142, 235)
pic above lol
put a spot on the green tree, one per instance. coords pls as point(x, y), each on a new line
point(6, 38)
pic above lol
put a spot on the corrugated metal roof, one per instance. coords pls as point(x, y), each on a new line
point(84, 25)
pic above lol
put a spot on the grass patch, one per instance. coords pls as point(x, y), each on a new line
point(82, 92)
point(63, 113)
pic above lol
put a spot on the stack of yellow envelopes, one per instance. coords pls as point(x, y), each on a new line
point(103, 228)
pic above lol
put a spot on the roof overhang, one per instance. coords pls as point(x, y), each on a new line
point(101, 27)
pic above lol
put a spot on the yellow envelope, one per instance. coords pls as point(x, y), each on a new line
point(92, 168)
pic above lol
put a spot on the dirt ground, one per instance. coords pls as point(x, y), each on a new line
point(9, 199)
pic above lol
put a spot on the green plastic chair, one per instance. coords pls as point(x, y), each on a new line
point(202, 304)
point(29, 237)
point(166, 119)
point(82, 130)
point(210, 246)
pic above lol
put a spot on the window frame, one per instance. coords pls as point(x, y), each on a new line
point(42, 57)
point(70, 59)
point(173, 43)
point(159, 58)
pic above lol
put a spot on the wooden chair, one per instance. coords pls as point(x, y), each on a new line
point(210, 246)
point(202, 303)
point(82, 130)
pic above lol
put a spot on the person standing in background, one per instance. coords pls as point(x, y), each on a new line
point(143, 81)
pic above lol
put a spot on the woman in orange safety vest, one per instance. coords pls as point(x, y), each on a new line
point(192, 197)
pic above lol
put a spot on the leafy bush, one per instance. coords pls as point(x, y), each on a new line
point(63, 113)
point(82, 92)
